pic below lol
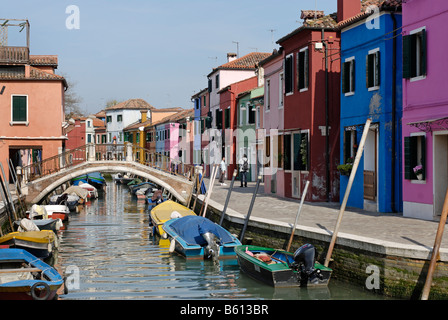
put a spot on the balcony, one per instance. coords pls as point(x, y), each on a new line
point(14, 55)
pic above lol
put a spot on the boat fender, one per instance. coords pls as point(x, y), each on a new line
point(35, 295)
point(172, 245)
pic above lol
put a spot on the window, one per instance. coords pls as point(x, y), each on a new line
point(301, 151)
point(414, 54)
point(267, 97)
point(289, 80)
point(119, 117)
point(373, 69)
point(204, 104)
point(279, 153)
point(350, 144)
point(287, 152)
point(267, 150)
point(19, 109)
point(218, 114)
point(414, 155)
point(348, 76)
point(217, 81)
point(280, 91)
point(251, 110)
point(258, 117)
point(209, 85)
point(227, 118)
point(302, 69)
point(109, 119)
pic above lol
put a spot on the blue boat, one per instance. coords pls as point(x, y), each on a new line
point(197, 237)
point(25, 277)
point(96, 179)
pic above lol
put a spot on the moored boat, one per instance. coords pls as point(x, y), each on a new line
point(56, 211)
point(166, 211)
point(93, 193)
point(39, 243)
point(42, 224)
point(70, 200)
point(23, 277)
point(198, 237)
point(280, 268)
point(96, 179)
point(155, 198)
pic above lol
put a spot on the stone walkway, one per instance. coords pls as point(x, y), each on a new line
point(380, 226)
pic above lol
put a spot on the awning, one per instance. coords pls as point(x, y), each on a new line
point(430, 125)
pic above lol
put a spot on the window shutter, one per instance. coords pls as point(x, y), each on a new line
point(377, 69)
point(407, 57)
point(352, 83)
point(343, 77)
point(288, 74)
point(423, 52)
point(407, 158)
point(423, 160)
point(301, 70)
point(19, 112)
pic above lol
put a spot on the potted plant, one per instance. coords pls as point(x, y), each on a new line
point(346, 168)
point(418, 170)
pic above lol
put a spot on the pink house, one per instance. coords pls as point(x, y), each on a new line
point(32, 100)
point(274, 179)
point(425, 108)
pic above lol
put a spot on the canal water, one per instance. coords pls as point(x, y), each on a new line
point(107, 252)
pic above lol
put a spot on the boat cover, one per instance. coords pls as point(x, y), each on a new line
point(75, 190)
point(191, 228)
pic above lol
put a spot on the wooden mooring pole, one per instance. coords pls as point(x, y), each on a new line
point(347, 190)
point(223, 213)
point(297, 216)
point(435, 250)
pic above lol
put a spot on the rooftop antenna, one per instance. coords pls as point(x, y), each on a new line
point(237, 48)
point(272, 36)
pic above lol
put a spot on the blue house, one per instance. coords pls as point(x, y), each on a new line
point(371, 73)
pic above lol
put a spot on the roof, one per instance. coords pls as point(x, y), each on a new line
point(247, 62)
point(131, 104)
point(383, 5)
point(44, 60)
point(35, 74)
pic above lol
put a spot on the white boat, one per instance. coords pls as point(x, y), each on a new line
point(93, 193)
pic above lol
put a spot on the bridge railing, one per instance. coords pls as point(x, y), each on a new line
point(104, 152)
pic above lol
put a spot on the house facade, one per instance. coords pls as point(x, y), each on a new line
point(221, 96)
point(425, 109)
point(308, 147)
point(122, 115)
point(199, 106)
point(30, 88)
point(371, 88)
point(273, 121)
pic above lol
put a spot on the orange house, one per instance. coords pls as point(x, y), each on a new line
point(31, 107)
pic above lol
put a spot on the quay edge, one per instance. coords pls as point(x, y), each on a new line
point(400, 269)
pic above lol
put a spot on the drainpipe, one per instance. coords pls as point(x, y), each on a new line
point(327, 155)
point(394, 107)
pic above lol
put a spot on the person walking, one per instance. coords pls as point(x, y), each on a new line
point(223, 169)
point(244, 167)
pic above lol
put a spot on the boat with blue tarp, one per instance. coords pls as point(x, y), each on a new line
point(198, 237)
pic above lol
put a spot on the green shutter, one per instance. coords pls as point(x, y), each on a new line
point(407, 158)
point(19, 108)
point(423, 159)
point(407, 57)
point(423, 52)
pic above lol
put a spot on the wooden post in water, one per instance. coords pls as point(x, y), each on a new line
point(297, 216)
point(228, 197)
point(347, 190)
point(198, 190)
point(246, 221)
point(209, 191)
point(435, 250)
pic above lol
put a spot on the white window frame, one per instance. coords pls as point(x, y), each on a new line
point(27, 108)
point(292, 74)
point(418, 62)
point(306, 66)
point(373, 51)
point(350, 93)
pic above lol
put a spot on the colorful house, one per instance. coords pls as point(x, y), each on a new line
point(273, 121)
point(222, 97)
point(371, 88)
point(29, 89)
point(200, 114)
point(308, 147)
point(425, 108)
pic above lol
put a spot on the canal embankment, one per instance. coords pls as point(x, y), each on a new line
point(381, 252)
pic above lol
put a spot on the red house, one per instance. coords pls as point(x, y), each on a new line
point(311, 108)
point(227, 117)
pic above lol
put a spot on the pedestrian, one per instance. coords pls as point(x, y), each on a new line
point(244, 167)
point(223, 168)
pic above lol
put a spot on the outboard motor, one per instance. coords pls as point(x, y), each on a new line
point(212, 248)
point(304, 258)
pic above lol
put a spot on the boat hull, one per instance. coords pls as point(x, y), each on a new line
point(162, 213)
point(277, 273)
point(27, 289)
point(39, 243)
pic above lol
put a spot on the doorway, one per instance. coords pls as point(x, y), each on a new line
point(440, 171)
point(371, 170)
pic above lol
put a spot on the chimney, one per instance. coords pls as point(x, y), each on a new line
point(348, 9)
point(144, 115)
point(231, 56)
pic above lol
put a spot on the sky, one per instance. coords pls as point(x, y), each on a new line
point(159, 51)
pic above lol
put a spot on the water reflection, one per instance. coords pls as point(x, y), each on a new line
point(109, 241)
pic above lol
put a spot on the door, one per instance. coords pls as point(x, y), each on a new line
point(371, 167)
point(440, 171)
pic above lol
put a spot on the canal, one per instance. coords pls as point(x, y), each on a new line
point(106, 252)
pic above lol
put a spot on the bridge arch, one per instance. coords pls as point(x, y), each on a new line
point(179, 187)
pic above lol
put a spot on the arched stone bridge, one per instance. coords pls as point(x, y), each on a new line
point(40, 179)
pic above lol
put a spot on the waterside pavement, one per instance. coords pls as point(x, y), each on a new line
point(380, 229)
